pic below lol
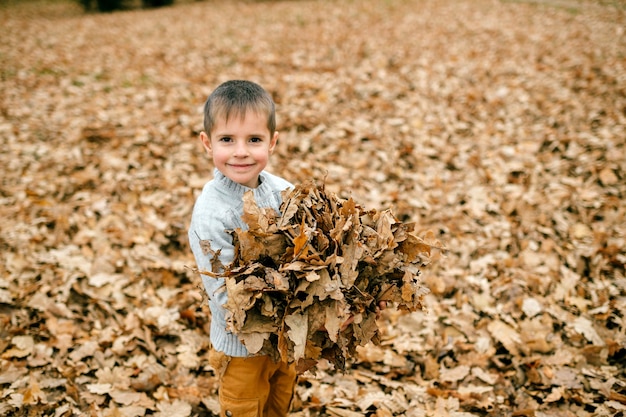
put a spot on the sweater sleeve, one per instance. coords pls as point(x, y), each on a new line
point(209, 242)
point(217, 211)
point(208, 239)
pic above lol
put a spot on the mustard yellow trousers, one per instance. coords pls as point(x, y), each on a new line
point(255, 386)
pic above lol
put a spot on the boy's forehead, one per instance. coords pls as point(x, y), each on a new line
point(224, 120)
point(226, 115)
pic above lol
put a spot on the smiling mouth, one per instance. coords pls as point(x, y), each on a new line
point(240, 166)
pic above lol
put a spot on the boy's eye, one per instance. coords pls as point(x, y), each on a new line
point(256, 139)
point(225, 139)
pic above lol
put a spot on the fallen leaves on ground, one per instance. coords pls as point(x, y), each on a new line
point(499, 125)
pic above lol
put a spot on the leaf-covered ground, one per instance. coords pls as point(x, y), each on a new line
point(499, 125)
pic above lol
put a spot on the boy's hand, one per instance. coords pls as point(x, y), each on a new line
point(343, 327)
point(379, 308)
point(348, 322)
point(382, 305)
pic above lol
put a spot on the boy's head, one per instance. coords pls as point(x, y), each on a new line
point(234, 99)
point(240, 130)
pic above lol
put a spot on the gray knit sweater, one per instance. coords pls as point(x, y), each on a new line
point(217, 210)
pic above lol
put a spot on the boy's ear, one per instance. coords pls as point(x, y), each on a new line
point(273, 142)
point(206, 142)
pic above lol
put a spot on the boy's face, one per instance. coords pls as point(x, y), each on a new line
point(240, 148)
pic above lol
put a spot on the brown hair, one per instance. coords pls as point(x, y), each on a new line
point(234, 98)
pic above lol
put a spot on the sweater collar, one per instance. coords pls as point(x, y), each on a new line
point(237, 189)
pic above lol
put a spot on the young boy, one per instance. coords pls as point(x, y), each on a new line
point(239, 135)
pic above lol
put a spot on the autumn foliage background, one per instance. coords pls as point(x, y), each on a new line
point(499, 125)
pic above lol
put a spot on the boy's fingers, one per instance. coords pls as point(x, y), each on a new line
point(381, 306)
point(348, 322)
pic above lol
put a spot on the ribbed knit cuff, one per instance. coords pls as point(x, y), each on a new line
point(226, 342)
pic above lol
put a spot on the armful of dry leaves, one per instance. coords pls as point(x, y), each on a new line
point(297, 279)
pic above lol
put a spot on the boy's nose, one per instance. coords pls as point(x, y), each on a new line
point(241, 149)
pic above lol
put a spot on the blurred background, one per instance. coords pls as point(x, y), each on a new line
point(498, 125)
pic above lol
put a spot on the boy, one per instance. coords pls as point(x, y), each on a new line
point(239, 135)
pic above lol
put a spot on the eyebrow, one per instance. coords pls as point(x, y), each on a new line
point(251, 135)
